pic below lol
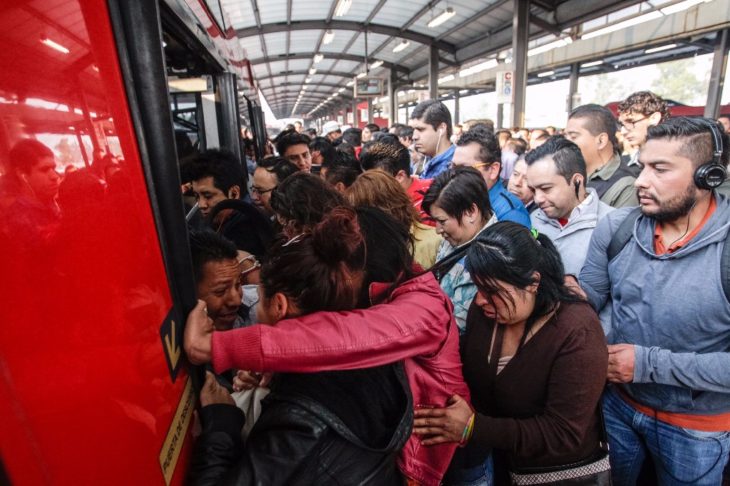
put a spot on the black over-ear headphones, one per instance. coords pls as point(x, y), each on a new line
point(713, 173)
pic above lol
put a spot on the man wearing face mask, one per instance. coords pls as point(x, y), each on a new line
point(569, 212)
point(431, 123)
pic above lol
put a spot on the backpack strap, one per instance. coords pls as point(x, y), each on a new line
point(725, 267)
point(623, 234)
point(442, 267)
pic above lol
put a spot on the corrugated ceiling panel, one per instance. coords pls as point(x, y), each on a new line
point(304, 41)
point(338, 44)
point(398, 12)
point(311, 10)
point(275, 43)
point(463, 11)
point(252, 46)
point(374, 40)
point(325, 64)
point(239, 12)
point(272, 11)
point(359, 11)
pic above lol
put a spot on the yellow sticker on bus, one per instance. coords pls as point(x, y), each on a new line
point(176, 433)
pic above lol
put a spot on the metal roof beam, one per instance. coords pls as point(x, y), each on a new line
point(340, 74)
point(346, 25)
point(545, 25)
point(338, 56)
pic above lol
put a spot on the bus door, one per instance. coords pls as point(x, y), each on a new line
point(97, 278)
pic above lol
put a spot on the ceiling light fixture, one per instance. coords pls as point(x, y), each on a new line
point(351, 83)
point(591, 64)
point(659, 49)
point(308, 80)
point(441, 18)
point(328, 37)
point(361, 75)
point(376, 64)
point(341, 90)
point(546, 74)
point(446, 79)
point(54, 45)
point(401, 46)
point(318, 58)
point(312, 71)
point(342, 7)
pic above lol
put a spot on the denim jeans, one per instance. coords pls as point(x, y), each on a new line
point(681, 456)
point(482, 475)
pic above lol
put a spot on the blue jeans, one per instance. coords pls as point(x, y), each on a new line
point(681, 456)
point(482, 475)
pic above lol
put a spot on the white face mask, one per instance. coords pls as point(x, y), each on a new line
point(250, 295)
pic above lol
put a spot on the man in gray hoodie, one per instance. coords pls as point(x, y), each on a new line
point(569, 212)
point(669, 348)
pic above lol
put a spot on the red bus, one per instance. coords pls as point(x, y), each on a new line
point(97, 279)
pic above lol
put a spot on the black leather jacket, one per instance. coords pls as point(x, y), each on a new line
point(305, 434)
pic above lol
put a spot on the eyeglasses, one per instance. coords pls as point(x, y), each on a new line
point(255, 264)
point(477, 166)
point(261, 192)
point(630, 124)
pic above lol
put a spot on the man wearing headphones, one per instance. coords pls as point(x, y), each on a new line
point(661, 268)
point(431, 123)
point(569, 212)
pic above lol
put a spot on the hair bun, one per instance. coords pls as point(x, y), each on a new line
point(337, 238)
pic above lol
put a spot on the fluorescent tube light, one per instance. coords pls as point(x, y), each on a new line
point(401, 46)
point(328, 37)
point(318, 58)
point(441, 18)
point(545, 74)
point(659, 49)
point(376, 64)
point(591, 64)
point(342, 7)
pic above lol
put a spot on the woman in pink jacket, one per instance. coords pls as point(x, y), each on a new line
point(413, 323)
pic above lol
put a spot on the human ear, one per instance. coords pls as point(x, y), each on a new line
point(655, 118)
point(280, 305)
point(234, 192)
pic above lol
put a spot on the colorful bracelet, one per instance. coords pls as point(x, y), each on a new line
point(468, 429)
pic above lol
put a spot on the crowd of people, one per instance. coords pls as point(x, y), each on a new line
point(438, 304)
point(434, 303)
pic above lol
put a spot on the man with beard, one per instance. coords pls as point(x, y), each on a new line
point(669, 345)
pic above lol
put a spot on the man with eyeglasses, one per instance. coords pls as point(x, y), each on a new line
point(267, 176)
point(636, 114)
point(478, 148)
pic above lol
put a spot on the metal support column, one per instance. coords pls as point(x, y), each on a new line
point(354, 113)
point(520, 37)
point(433, 72)
point(456, 107)
point(717, 74)
point(573, 87)
point(370, 110)
point(392, 98)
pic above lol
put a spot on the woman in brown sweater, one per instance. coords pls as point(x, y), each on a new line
point(535, 360)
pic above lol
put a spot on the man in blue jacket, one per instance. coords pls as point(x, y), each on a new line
point(669, 344)
point(479, 148)
point(431, 123)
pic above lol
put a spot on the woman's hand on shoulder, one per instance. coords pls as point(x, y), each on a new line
point(439, 425)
